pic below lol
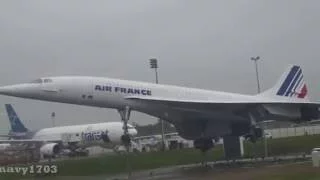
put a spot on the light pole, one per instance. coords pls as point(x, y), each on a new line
point(154, 65)
point(53, 115)
point(255, 59)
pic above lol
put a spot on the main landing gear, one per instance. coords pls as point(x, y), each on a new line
point(204, 145)
point(255, 131)
point(254, 135)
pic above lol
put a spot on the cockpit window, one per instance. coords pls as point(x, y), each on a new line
point(47, 80)
point(37, 81)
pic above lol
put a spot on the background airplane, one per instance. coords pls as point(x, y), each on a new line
point(4, 147)
point(75, 138)
point(199, 115)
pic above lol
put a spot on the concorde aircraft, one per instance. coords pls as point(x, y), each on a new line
point(198, 114)
point(74, 138)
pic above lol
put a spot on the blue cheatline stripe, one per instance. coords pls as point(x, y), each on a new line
point(297, 84)
point(293, 83)
point(288, 80)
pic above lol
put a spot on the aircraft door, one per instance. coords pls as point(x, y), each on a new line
point(86, 92)
point(80, 91)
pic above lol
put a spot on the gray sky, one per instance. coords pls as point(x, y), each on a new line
point(205, 44)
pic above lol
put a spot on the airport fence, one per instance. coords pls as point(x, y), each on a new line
point(294, 131)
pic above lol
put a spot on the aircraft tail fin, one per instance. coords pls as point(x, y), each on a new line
point(16, 124)
point(290, 85)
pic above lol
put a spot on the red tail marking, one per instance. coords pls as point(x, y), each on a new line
point(304, 92)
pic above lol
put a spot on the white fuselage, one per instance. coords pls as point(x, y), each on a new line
point(85, 135)
point(110, 93)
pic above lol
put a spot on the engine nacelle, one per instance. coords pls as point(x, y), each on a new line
point(308, 113)
point(50, 149)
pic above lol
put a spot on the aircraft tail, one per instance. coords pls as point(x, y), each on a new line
point(290, 85)
point(15, 122)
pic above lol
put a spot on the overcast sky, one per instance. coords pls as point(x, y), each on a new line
point(205, 44)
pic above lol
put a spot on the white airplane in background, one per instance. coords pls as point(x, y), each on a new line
point(199, 115)
point(75, 138)
point(4, 147)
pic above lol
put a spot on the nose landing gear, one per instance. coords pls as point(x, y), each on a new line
point(125, 116)
point(125, 138)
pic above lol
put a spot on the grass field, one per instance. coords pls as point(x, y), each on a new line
point(113, 164)
point(284, 146)
point(116, 163)
point(294, 171)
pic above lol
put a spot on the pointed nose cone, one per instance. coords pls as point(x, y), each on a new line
point(8, 90)
point(18, 90)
